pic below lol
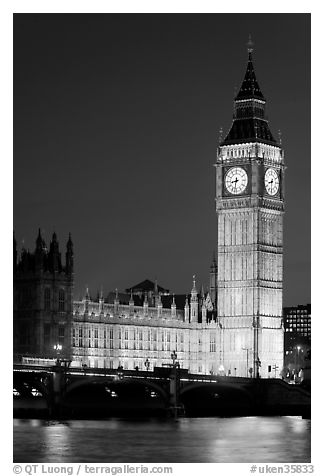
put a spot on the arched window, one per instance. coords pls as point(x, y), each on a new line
point(61, 300)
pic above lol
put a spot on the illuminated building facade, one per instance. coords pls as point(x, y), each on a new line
point(250, 208)
point(144, 336)
point(235, 329)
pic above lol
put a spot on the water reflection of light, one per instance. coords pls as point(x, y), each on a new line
point(35, 423)
point(112, 424)
point(297, 424)
point(29, 422)
point(197, 440)
point(56, 440)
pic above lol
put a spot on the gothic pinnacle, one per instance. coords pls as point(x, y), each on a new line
point(250, 44)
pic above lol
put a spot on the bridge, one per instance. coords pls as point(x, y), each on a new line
point(62, 392)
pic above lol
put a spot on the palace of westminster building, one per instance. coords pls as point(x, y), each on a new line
point(235, 328)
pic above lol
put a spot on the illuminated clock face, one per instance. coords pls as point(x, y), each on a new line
point(271, 181)
point(236, 180)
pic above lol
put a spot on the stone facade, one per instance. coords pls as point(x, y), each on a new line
point(42, 305)
point(114, 334)
point(250, 207)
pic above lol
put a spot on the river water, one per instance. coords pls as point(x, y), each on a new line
point(197, 440)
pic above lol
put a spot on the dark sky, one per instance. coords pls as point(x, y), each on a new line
point(116, 121)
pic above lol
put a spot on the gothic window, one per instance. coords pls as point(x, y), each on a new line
point(96, 337)
point(212, 346)
point(61, 300)
point(111, 338)
point(80, 337)
point(47, 299)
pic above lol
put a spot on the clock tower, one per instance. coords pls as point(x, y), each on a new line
point(250, 208)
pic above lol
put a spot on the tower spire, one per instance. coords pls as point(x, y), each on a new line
point(249, 119)
point(69, 261)
point(250, 44)
point(250, 88)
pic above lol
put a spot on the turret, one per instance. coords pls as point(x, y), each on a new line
point(131, 304)
point(156, 294)
point(69, 258)
point(194, 302)
point(116, 303)
point(86, 301)
point(186, 310)
point(159, 306)
point(145, 305)
point(101, 302)
point(54, 255)
point(173, 308)
point(203, 311)
point(213, 280)
point(40, 252)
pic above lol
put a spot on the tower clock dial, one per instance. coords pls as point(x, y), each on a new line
point(271, 181)
point(236, 180)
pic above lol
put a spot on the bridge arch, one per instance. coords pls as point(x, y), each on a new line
point(118, 383)
point(26, 382)
point(216, 398)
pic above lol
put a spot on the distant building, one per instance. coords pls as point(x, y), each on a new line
point(297, 341)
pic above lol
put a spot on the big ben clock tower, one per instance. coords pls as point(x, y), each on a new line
point(250, 208)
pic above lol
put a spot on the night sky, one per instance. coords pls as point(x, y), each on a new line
point(116, 121)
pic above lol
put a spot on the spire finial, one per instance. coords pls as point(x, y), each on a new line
point(131, 300)
point(250, 44)
point(194, 290)
point(220, 135)
point(280, 138)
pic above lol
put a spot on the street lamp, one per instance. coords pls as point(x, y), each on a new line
point(298, 347)
point(58, 348)
point(174, 357)
point(297, 358)
point(147, 364)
